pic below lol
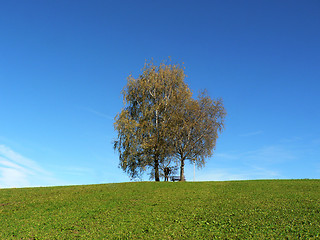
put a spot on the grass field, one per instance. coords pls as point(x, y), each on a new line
point(267, 209)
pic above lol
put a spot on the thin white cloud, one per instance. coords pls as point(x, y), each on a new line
point(226, 174)
point(19, 171)
point(7, 153)
point(220, 175)
point(11, 177)
point(261, 163)
point(100, 114)
point(264, 173)
point(9, 164)
point(291, 140)
point(270, 155)
point(265, 155)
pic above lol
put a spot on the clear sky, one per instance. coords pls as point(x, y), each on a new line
point(63, 65)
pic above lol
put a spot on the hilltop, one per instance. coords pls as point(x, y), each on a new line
point(150, 210)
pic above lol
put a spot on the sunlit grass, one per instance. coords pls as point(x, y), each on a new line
point(149, 210)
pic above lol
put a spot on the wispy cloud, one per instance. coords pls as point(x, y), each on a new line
point(19, 171)
point(291, 140)
point(249, 134)
point(9, 154)
point(100, 114)
point(225, 174)
point(268, 154)
point(10, 177)
point(261, 163)
point(220, 175)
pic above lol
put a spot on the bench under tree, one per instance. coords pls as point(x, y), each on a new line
point(175, 178)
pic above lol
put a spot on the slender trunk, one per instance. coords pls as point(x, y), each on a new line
point(182, 170)
point(156, 157)
point(156, 169)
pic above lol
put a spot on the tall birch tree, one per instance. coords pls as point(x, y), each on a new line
point(195, 129)
point(144, 124)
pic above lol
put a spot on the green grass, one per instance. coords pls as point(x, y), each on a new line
point(268, 209)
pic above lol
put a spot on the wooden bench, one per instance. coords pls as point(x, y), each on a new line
point(175, 178)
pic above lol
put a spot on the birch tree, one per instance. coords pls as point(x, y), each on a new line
point(144, 124)
point(195, 130)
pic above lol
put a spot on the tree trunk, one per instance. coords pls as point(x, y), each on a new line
point(156, 157)
point(156, 170)
point(182, 170)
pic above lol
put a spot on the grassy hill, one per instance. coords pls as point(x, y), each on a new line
point(148, 210)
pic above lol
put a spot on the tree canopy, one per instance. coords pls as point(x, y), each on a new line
point(162, 124)
point(195, 130)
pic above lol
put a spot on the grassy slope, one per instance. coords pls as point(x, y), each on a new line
point(149, 210)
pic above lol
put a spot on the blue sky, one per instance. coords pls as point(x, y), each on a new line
point(63, 65)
